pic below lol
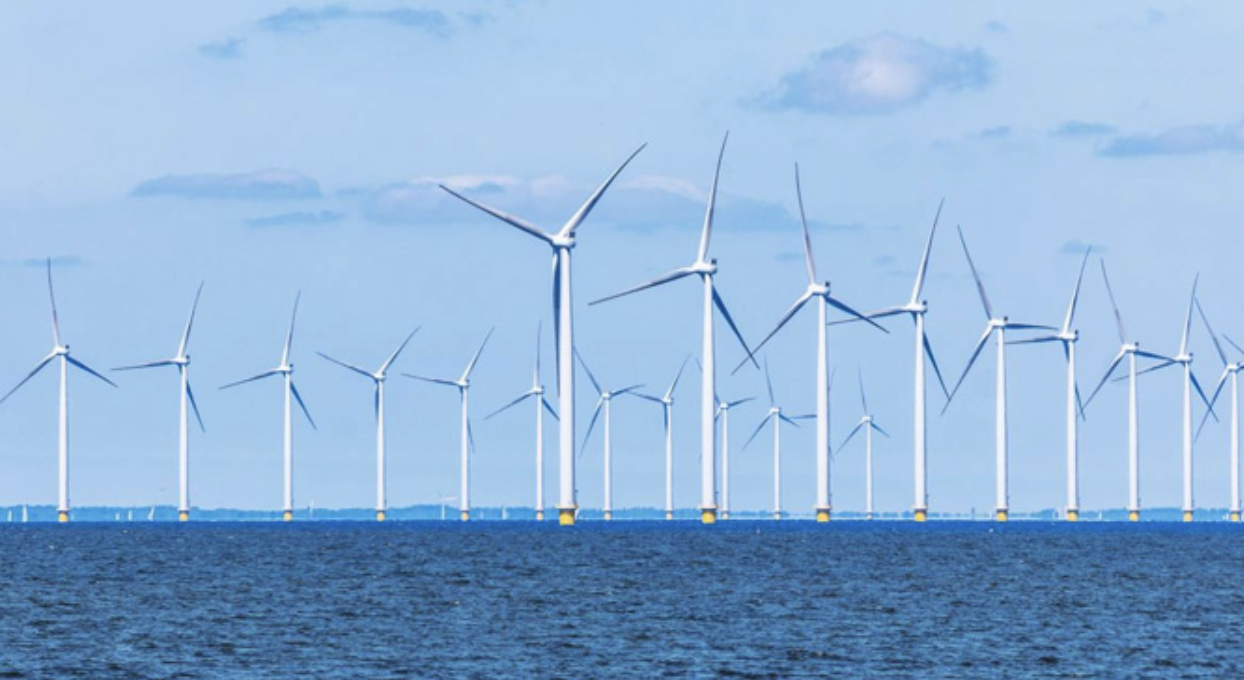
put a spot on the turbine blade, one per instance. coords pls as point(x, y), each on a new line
point(1196, 384)
point(513, 221)
point(539, 328)
point(725, 314)
point(980, 345)
point(520, 399)
point(707, 232)
point(557, 325)
point(1075, 293)
point(791, 421)
point(549, 407)
point(289, 337)
point(576, 219)
point(55, 316)
point(1237, 347)
point(677, 376)
point(1226, 373)
point(1213, 336)
point(1151, 355)
point(662, 279)
point(185, 336)
point(1036, 340)
point(471, 366)
point(625, 390)
point(438, 381)
point(1118, 318)
point(850, 435)
point(1109, 371)
point(807, 237)
point(763, 421)
point(302, 404)
point(878, 429)
point(928, 351)
point(591, 425)
point(878, 314)
point(732, 404)
point(384, 368)
point(88, 369)
point(843, 307)
point(647, 397)
point(150, 364)
point(1157, 367)
point(470, 436)
point(253, 378)
point(790, 314)
point(922, 272)
point(859, 373)
point(194, 405)
point(344, 365)
point(38, 367)
point(590, 377)
point(980, 286)
point(769, 384)
point(1029, 327)
point(1183, 341)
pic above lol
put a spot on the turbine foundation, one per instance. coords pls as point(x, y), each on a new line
point(1073, 515)
point(1187, 515)
point(822, 515)
point(1001, 515)
point(466, 515)
point(1133, 515)
point(868, 515)
point(62, 516)
point(708, 516)
point(380, 515)
point(921, 514)
point(608, 515)
point(287, 516)
point(725, 514)
point(183, 515)
point(539, 515)
point(777, 516)
point(565, 517)
point(1235, 515)
point(669, 516)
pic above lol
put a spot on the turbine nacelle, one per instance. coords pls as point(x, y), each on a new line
point(60, 351)
point(703, 268)
point(821, 289)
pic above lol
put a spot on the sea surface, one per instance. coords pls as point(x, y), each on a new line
point(628, 599)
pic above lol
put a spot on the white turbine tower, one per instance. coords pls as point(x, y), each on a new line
point(820, 291)
point(1067, 335)
point(463, 384)
point(706, 269)
point(775, 416)
point(917, 308)
point(286, 370)
point(996, 326)
point(723, 416)
point(667, 409)
point(1230, 371)
point(602, 406)
point(868, 424)
point(562, 242)
point(182, 361)
point(542, 404)
point(60, 353)
point(1130, 351)
point(378, 379)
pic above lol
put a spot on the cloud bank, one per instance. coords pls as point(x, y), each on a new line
point(1178, 141)
point(299, 20)
point(229, 48)
point(306, 218)
point(257, 186)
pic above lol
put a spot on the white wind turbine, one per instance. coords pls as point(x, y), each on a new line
point(542, 404)
point(775, 416)
point(378, 379)
point(1130, 351)
point(820, 291)
point(868, 424)
point(1230, 371)
point(602, 406)
point(706, 269)
point(667, 408)
point(917, 308)
point(463, 384)
point(1067, 335)
point(185, 395)
point(562, 242)
point(60, 353)
point(723, 416)
point(286, 370)
point(996, 326)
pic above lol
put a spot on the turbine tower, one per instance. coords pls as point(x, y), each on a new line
point(996, 326)
point(60, 354)
point(868, 424)
point(667, 408)
point(1068, 336)
point(182, 361)
point(723, 416)
point(824, 300)
point(542, 404)
point(916, 307)
point(378, 379)
point(1231, 370)
point(286, 370)
point(1130, 351)
point(467, 438)
point(562, 242)
point(706, 269)
point(602, 406)
point(775, 416)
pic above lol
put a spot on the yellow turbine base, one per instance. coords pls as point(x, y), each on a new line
point(466, 515)
point(1001, 516)
point(669, 516)
point(1235, 516)
point(380, 515)
point(1133, 515)
point(708, 516)
point(565, 517)
point(822, 516)
point(1187, 515)
point(608, 515)
point(183, 515)
point(288, 516)
point(921, 515)
point(62, 516)
point(539, 515)
point(1073, 515)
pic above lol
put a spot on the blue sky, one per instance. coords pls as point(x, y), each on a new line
point(269, 148)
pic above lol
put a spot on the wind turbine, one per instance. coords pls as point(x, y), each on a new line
point(775, 416)
point(1230, 372)
point(706, 269)
point(917, 308)
point(868, 424)
point(468, 440)
point(378, 379)
point(824, 300)
point(562, 242)
point(723, 415)
point(285, 369)
point(182, 361)
point(602, 406)
point(1130, 351)
point(1068, 337)
point(542, 404)
point(60, 353)
point(667, 408)
point(997, 326)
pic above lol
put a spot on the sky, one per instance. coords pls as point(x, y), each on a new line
point(267, 148)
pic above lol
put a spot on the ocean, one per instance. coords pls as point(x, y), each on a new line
point(747, 599)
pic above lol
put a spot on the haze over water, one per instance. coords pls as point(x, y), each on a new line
point(631, 599)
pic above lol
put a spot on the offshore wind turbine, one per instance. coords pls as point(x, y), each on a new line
point(775, 416)
point(542, 404)
point(378, 378)
point(60, 354)
point(463, 384)
point(723, 416)
point(917, 307)
point(285, 369)
point(562, 242)
point(185, 395)
point(868, 424)
point(667, 409)
point(1230, 372)
point(1129, 350)
point(602, 406)
point(820, 291)
point(996, 326)
point(706, 269)
point(1068, 336)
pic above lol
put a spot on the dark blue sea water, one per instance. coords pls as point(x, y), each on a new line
point(742, 599)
